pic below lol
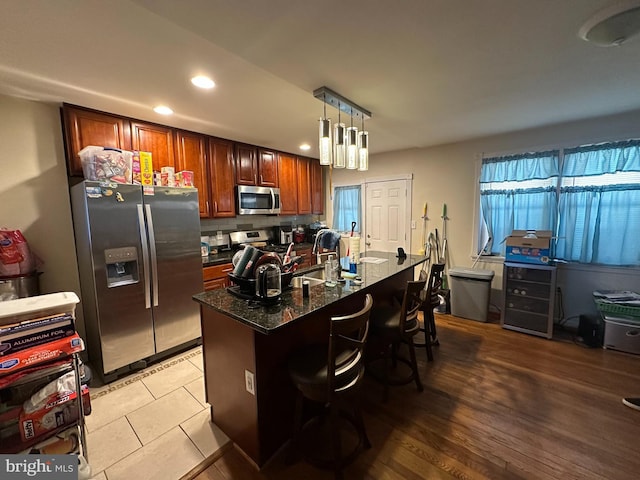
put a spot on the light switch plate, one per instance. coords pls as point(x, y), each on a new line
point(249, 381)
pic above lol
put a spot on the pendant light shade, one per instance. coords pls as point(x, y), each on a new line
point(325, 146)
point(352, 148)
point(345, 148)
point(363, 151)
point(340, 153)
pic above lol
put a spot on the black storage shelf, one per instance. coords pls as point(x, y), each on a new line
point(528, 313)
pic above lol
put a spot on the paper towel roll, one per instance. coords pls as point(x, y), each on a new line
point(354, 248)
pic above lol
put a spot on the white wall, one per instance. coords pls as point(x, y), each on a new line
point(447, 174)
point(34, 194)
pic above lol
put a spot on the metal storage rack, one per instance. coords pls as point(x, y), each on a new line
point(528, 298)
point(23, 310)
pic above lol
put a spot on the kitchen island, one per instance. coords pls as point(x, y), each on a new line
point(246, 347)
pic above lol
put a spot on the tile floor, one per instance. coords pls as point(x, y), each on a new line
point(153, 424)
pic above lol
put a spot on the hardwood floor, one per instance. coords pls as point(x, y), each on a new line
point(497, 405)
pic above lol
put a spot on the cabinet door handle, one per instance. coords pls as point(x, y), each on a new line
point(227, 270)
point(215, 206)
point(255, 178)
point(207, 206)
point(260, 179)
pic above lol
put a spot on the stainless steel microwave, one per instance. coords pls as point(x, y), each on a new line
point(258, 200)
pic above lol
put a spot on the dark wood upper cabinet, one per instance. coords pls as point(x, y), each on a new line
point(287, 171)
point(317, 187)
point(191, 155)
point(84, 127)
point(267, 168)
point(303, 181)
point(246, 164)
point(157, 139)
point(222, 178)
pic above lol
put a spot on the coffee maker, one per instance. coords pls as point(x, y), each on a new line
point(283, 235)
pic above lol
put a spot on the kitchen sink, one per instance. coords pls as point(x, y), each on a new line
point(311, 277)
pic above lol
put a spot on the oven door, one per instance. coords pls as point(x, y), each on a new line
point(258, 200)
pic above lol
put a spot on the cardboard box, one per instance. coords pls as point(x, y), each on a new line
point(23, 335)
point(146, 168)
point(529, 246)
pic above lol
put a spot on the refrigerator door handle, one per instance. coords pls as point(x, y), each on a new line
point(154, 258)
point(145, 257)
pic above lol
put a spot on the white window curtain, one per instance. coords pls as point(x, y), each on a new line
point(347, 208)
point(518, 192)
point(600, 204)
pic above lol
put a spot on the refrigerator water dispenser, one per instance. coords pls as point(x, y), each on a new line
point(122, 266)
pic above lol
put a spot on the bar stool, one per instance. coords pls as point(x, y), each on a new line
point(332, 376)
point(392, 327)
point(430, 300)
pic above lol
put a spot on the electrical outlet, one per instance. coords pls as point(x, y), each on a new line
point(249, 382)
point(413, 224)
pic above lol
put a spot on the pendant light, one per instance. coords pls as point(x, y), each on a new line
point(352, 146)
point(363, 149)
point(340, 153)
point(350, 150)
point(325, 147)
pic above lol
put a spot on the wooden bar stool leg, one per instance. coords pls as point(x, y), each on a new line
point(426, 320)
point(414, 365)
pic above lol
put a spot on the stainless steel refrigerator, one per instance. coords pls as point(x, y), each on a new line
point(139, 261)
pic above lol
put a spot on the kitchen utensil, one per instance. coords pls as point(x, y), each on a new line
point(269, 257)
point(293, 262)
point(268, 283)
point(287, 256)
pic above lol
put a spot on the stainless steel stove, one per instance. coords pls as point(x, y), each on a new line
point(256, 238)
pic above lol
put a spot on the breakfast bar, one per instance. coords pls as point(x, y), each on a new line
point(246, 347)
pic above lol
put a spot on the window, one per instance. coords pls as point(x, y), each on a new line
point(600, 204)
point(518, 192)
point(592, 202)
point(346, 207)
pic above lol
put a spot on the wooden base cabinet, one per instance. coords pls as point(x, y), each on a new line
point(216, 276)
point(529, 298)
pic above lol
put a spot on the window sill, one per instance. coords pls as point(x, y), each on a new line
point(488, 258)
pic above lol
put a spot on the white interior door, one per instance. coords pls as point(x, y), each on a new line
point(387, 204)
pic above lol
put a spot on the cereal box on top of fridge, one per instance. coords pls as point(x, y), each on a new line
point(146, 168)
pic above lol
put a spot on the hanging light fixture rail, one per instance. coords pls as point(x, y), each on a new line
point(336, 100)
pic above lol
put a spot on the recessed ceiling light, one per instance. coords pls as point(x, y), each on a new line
point(305, 146)
point(163, 110)
point(203, 82)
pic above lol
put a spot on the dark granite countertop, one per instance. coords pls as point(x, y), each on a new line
point(266, 319)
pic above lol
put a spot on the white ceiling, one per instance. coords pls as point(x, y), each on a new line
point(430, 71)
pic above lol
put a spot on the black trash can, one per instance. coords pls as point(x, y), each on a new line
point(19, 286)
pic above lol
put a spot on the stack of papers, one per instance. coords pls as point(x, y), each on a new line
point(631, 299)
point(375, 260)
